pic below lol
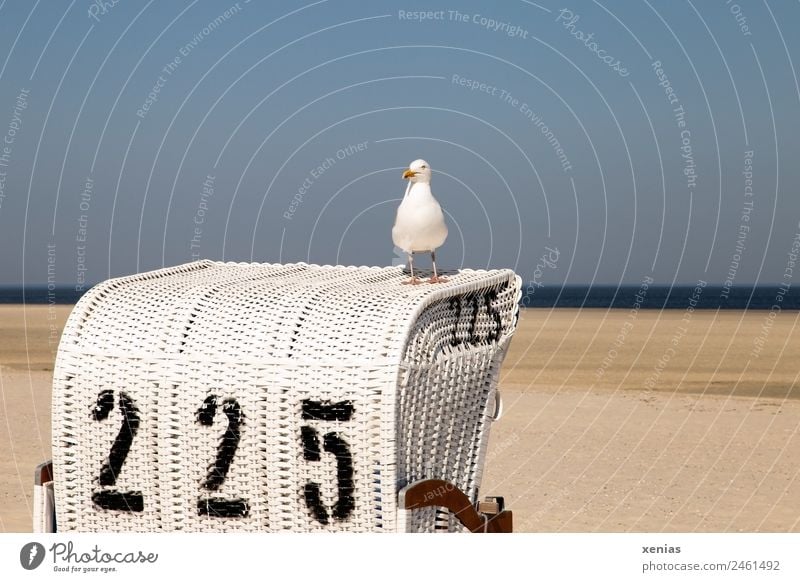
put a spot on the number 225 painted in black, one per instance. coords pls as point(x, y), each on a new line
point(133, 501)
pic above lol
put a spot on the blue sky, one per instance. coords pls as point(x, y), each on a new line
point(638, 139)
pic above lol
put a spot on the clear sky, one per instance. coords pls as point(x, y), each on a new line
point(621, 140)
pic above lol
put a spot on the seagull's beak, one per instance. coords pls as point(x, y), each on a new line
point(409, 174)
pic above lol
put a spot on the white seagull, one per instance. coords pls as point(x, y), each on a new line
point(419, 226)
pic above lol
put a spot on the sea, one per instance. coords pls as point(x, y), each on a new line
point(772, 297)
point(664, 297)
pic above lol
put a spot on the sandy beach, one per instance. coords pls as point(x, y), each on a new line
point(662, 421)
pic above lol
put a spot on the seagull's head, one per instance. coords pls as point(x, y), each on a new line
point(418, 171)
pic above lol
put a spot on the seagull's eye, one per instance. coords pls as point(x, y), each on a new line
point(423, 167)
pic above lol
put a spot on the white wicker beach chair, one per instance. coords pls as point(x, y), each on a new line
point(261, 397)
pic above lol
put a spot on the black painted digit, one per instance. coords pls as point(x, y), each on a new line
point(122, 444)
point(119, 500)
point(112, 466)
point(494, 335)
point(226, 451)
point(314, 502)
point(105, 403)
point(229, 442)
point(205, 414)
point(334, 444)
point(476, 302)
point(473, 300)
point(311, 452)
point(474, 321)
point(339, 448)
point(455, 304)
point(324, 410)
point(310, 441)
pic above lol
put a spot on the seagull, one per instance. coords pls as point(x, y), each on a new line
point(419, 226)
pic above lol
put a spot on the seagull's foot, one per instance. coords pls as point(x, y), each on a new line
point(436, 279)
point(412, 281)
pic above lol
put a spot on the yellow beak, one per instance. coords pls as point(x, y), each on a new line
point(409, 174)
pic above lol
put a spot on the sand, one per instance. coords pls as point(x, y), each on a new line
point(613, 420)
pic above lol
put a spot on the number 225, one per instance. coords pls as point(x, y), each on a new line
point(133, 501)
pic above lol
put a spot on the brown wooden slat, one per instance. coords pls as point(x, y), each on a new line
point(440, 493)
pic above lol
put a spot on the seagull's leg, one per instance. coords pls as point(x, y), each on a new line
point(436, 278)
point(413, 280)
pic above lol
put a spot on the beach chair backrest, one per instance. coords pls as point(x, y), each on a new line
point(264, 397)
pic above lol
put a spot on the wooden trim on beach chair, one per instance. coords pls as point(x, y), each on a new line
point(490, 517)
point(44, 507)
point(43, 473)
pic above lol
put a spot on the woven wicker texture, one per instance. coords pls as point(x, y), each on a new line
point(258, 397)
